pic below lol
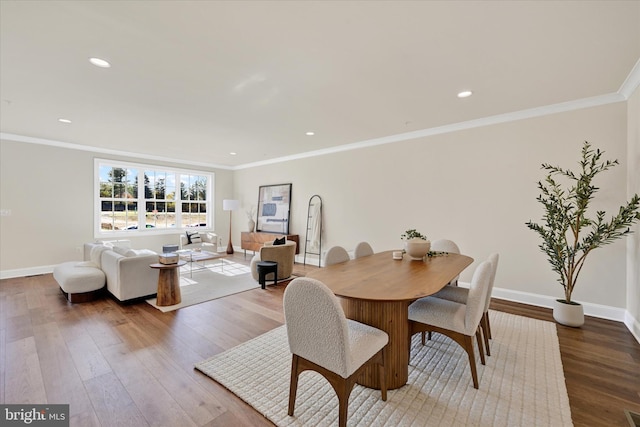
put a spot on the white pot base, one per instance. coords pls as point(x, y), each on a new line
point(568, 314)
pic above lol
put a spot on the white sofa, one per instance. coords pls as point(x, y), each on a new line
point(127, 271)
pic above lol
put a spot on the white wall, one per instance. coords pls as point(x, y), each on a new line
point(633, 242)
point(477, 187)
point(49, 191)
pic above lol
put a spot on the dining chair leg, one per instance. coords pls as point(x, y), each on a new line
point(293, 386)
point(485, 334)
point(480, 346)
point(468, 346)
point(486, 317)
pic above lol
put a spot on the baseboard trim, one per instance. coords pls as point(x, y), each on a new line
point(633, 325)
point(25, 272)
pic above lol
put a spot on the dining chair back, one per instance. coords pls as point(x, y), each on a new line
point(363, 249)
point(458, 321)
point(323, 340)
point(336, 255)
point(460, 294)
point(445, 245)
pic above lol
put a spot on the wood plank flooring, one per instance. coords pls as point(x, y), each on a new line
point(121, 365)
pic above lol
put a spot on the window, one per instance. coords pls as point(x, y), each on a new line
point(135, 198)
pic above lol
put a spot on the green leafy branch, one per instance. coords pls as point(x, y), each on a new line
point(565, 217)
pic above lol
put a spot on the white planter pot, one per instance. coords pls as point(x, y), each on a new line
point(417, 248)
point(568, 314)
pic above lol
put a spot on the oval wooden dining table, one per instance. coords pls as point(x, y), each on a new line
point(378, 289)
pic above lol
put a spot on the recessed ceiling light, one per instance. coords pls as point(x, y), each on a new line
point(233, 153)
point(465, 94)
point(99, 62)
point(64, 120)
point(310, 133)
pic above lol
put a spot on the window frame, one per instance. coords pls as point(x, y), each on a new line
point(141, 200)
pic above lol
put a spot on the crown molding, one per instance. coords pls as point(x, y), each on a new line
point(632, 81)
point(578, 104)
point(61, 144)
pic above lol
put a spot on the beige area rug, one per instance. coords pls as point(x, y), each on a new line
point(521, 385)
point(219, 279)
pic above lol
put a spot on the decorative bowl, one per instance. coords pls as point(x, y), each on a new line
point(417, 248)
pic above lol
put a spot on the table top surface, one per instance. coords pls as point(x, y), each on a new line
point(379, 277)
point(191, 255)
point(166, 266)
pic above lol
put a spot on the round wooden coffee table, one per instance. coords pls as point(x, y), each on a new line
point(168, 283)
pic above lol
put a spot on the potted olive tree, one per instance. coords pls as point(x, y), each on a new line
point(568, 234)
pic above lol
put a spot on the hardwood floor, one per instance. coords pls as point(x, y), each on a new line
point(121, 365)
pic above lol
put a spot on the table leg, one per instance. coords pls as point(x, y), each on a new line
point(391, 317)
point(168, 287)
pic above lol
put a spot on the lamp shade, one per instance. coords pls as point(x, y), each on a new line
point(230, 205)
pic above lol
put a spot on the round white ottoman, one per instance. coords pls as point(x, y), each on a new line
point(79, 281)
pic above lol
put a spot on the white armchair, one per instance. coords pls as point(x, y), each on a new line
point(206, 241)
point(284, 255)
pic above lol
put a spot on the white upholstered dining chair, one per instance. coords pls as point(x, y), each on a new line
point(460, 322)
point(323, 340)
point(336, 255)
point(363, 249)
point(460, 295)
point(445, 245)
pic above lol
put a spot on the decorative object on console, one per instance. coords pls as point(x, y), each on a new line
point(230, 205)
point(273, 208)
point(416, 244)
point(565, 207)
point(251, 224)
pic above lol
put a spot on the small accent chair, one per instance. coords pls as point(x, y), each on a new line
point(323, 340)
point(363, 249)
point(336, 255)
point(284, 255)
point(460, 322)
point(460, 295)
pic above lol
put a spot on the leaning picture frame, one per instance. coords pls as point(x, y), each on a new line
point(274, 204)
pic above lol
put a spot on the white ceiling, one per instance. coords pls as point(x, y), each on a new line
point(196, 80)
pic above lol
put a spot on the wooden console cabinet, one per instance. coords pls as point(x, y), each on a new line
point(254, 241)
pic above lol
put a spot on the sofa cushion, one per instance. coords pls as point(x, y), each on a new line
point(121, 250)
point(139, 252)
point(96, 254)
point(281, 241)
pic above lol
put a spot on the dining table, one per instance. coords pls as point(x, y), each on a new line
point(378, 289)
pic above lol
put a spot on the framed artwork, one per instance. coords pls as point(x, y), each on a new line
point(274, 202)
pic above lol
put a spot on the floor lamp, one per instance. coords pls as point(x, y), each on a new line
point(230, 205)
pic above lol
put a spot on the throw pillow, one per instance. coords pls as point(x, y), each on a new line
point(193, 237)
point(280, 241)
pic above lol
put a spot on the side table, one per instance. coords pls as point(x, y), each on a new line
point(168, 283)
point(264, 268)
